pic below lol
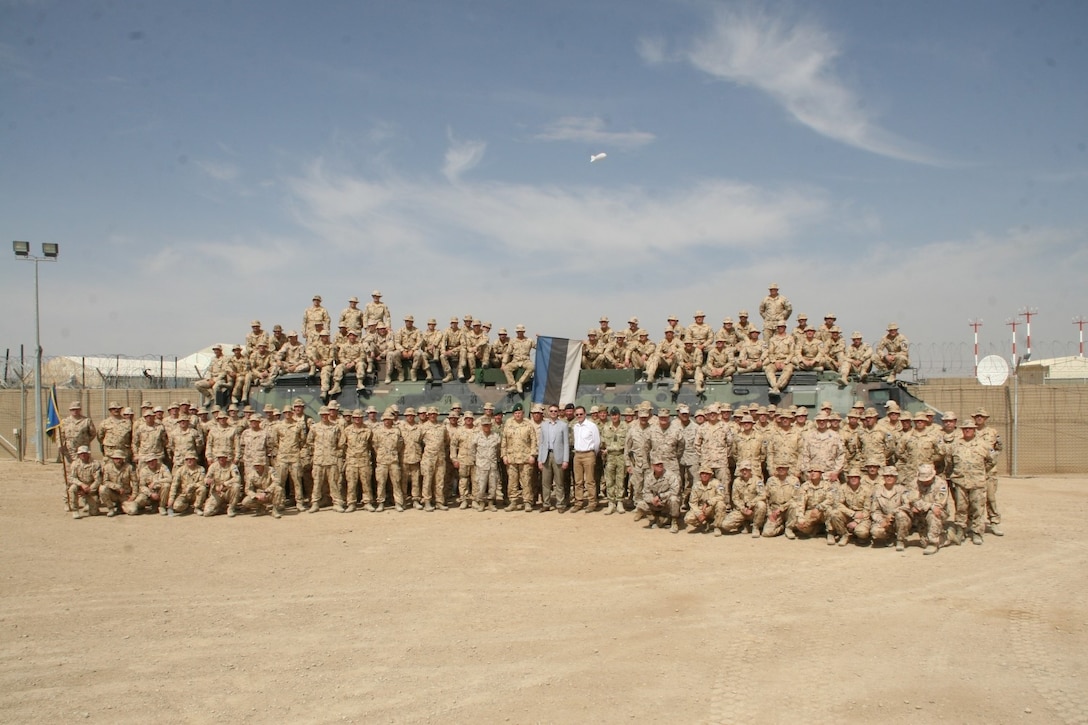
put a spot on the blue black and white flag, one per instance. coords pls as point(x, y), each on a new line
point(558, 361)
point(52, 413)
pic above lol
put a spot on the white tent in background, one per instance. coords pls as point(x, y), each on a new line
point(73, 371)
point(196, 364)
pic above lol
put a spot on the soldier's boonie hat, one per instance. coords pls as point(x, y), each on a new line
point(353, 333)
point(114, 405)
point(150, 457)
point(538, 408)
point(802, 316)
point(772, 285)
point(75, 406)
point(388, 416)
point(621, 335)
point(323, 333)
point(869, 462)
point(255, 323)
point(858, 404)
point(746, 419)
point(287, 410)
point(221, 414)
point(486, 420)
point(668, 330)
point(432, 321)
point(333, 405)
point(926, 472)
point(830, 316)
point(277, 328)
point(744, 464)
point(455, 318)
point(727, 321)
point(663, 413)
point(889, 471)
point(968, 424)
point(376, 293)
point(753, 331)
point(603, 319)
point(592, 333)
point(158, 409)
point(781, 464)
point(801, 411)
point(117, 453)
point(713, 409)
point(371, 409)
point(672, 318)
point(217, 347)
point(489, 406)
point(292, 333)
point(409, 318)
point(658, 461)
point(190, 455)
point(891, 405)
point(519, 328)
point(353, 298)
point(855, 335)
point(317, 297)
point(487, 325)
point(468, 318)
point(893, 326)
point(834, 416)
point(981, 411)
point(469, 415)
point(432, 410)
point(707, 470)
point(502, 331)
point(699, 313)
point(643, 413)
point(779, 323)
point(358, 413)
point(826, 405)
point(83, 449)
point(854, 472)
point(742, 313)
point(810, 332)
point(822, 415)
point(905, 416)
point(869, 413)
point(949, 415)
point(268, 408)
point(256, 418)
point(323, 410)
point(682, 409)
point(632, 321)
point(836, 329)
point(408, 411)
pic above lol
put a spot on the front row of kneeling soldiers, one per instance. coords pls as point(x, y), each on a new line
point(869, 504)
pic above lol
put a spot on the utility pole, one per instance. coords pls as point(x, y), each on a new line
point(976, 323)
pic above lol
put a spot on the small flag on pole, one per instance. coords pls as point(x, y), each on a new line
point(52, 418)
point(558, 361)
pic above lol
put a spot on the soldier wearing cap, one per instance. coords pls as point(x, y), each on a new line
point(378, 348)
point(679, 330)
point(358, 461)
point(84, 480)
point(452, 351)
point(992, 438)
point(663, 357)
point(667, 442)
point(593, 351)
point(873, 442)
point(706, 503)
point(215, 377)
point(262, 370)
point(149, 440)
point(151, 490)
point(325, 440)
point(888, 511)
point(823, 448)
point(780, 490)
point(184, 439)
point(811, 507)
point(292, 355)
point(971, 458)
point(823, 334)
point(688, 365)
point(255, 446)
point(784, 445)
point(699, 332)
point(411, 432)
point(605, 331)
point(892, 355)
point(811, 353)
point(262, 492)
point(752, 353)
point(409, 352)
point(485, 446)
point(278, 339)
point(76, 430)
point(222, 438)
point(116, 485)
point(660, 497)
point(256, 337)
point(779, 358)
point(224, 486)
point(519, 355)
point(617, 354)
point(743, 326)
point(477, 347)
point(849, 516)
point(463, 458)
point(613, 440)
point(948, 435)
point(721, 362)
point(114, 431)
point(802, 325)
point(187, 487)
point(518, 452)
point(774, 308)
point(747, 444)
point(712, 443)
point(238, 366)
point(388, 455)
point(636, 451)
point(376, 312)
point(728, 332)
point(351, 316)
point(639, 350)
point(927, 506)
point(749, 502)
point(917, 447)
point(436, 446)
point(860, 357)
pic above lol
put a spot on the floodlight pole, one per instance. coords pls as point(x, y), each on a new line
point(22, 253)
point(1080, 321)
point(1027, 313)
point(977, 323)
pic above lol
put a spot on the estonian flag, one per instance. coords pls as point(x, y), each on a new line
point(52, 419)
point(558, 361)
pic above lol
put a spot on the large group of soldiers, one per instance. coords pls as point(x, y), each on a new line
point(759, 469)
point(365, 343)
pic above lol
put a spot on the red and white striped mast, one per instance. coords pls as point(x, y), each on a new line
point(976, 323)
point(1027, 313)
point(1080, 321)
point(1011, 322)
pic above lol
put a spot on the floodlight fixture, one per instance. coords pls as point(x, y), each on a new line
point(50, 250)
point(22, 249)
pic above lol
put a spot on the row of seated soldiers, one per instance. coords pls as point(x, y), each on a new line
point(368, 454)
point(406, 354)
point(699, 353)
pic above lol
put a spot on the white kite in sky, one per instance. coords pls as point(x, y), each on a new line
point(597, 157)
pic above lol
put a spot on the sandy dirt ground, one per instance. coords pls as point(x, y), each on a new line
point(462, 616)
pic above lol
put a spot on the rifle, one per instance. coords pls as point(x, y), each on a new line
point(64, 465)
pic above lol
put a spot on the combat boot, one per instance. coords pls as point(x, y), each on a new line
point(900, 545)
point(995, 529)
point(790, 533)
point(976, 539)
point(639, 514)
point(675, 528)
point(931, 549)
point(610, 510)
point(830, 539)
point(844, 540)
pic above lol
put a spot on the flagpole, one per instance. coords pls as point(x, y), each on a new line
point(39, 433)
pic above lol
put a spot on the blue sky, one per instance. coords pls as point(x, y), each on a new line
point(205, 163)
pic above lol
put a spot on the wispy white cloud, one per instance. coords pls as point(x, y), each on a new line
point(218, 170)
point(461, 156)
point(592, 130)
point(794, 62)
